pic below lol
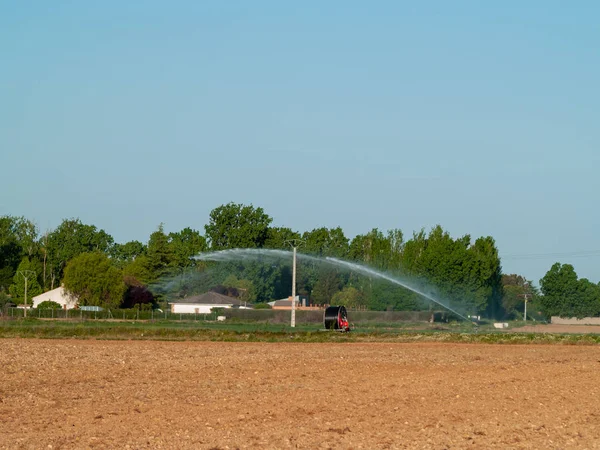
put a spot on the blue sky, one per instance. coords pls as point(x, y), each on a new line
point(479, 116)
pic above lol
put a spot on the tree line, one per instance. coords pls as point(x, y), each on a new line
point(463, 271)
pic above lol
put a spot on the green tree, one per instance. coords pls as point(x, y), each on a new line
point(565, 295)
point(93, 280)
point(326, 242)
point(469, 276)
point(349, 297)
point(280, 238)
point(70, 239)
point(10, 251)
point(186, 244)
point(160, 254)
point(123, 254)
point(377, 250)
point(18, 239)
point(237, 226)
point(263, 279)
point(5, 300)
point(515, 289)
point(17, 289)
point(329, 283)
point(140, 269)
point(244, 287)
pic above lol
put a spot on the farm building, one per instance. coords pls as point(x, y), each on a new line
point(58, 295)
point(202, 304)
point(286, 303)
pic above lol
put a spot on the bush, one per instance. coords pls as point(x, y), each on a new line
point(262, 306)
point(49, 304)
point(4, 299)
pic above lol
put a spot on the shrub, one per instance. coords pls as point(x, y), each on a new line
point(49, 304)
point(262, 306)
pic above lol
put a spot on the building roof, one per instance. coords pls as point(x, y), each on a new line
point(210, 298)
point(56, 291)
point(58, 295)
point(285, 302)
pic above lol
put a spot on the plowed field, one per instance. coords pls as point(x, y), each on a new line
point(148, 394)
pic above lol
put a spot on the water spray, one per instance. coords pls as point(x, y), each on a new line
point(254, 254)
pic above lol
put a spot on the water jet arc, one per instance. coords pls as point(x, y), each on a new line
point(256, 253)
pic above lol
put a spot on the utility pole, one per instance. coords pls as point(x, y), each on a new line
point(26, 274)
point(293, 320)
point(294, 243)
point(525, 311)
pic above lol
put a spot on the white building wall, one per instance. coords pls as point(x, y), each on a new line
point(58, 295)
point(575, 320)
point(191, 308)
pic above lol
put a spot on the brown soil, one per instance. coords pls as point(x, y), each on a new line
point(145, 394)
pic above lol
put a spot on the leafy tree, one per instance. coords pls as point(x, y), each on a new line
point(264, 279)
point(515, 288)
point(237, 226)
point(136, 294)
point(279, 238)
point(123, 254)
point(18, 239)
point(10, 255)
point(349, 297)
point(93, 280)
point(186, 244)
point(139, 269)
point(70, 239)
point(17, 289)
point(387, 296)
point(468, 275)
point(377, 250)
point(565, 295)
point(328, 284)
point(27, 236)
point(5, 300)
point(245, 288)
point(326, 242)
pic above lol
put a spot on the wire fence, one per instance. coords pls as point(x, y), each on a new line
point(105, 314)
point(244, 315)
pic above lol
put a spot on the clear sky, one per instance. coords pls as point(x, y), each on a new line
point(483, 117)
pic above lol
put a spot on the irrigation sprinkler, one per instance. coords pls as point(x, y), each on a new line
point(336, 318)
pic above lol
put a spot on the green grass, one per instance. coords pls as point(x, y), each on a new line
point(239, 331)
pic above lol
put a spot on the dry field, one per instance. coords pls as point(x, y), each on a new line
point(148, 394)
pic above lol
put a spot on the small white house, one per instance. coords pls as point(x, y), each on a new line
point(202, 304)
point(58, 295)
